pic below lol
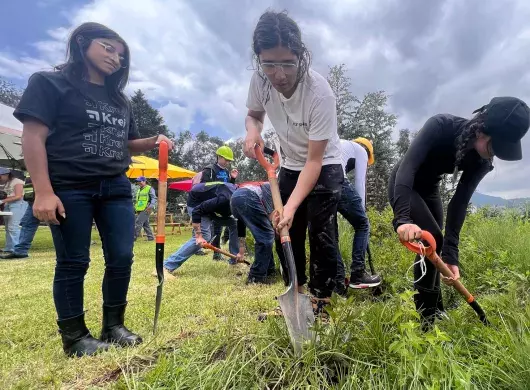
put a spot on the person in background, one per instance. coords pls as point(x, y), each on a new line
point(252, 207)
point(28, 226)
point(78, 136)
point(206, 202)
point(145, 203)
point(13, 203)
point(219, 172)
point(450, 144)
point(356, 156)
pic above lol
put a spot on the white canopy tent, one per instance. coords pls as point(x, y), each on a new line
point(10, 138)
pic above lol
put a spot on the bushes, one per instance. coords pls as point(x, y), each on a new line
point(377, 344)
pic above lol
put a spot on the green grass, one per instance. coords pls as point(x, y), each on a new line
point(209, 337)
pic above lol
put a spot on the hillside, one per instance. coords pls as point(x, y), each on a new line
point(480, 200)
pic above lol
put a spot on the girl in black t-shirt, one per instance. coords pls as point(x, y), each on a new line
point(79, 132)
point(450, 144)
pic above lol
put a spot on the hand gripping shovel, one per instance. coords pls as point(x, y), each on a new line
point(208, 245)
point(430, 253)
point(160, 225)
point(296, 308)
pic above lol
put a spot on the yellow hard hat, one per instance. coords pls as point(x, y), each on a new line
point(225, 152)
point(366, 143)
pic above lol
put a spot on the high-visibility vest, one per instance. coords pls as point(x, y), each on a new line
point(142, 198)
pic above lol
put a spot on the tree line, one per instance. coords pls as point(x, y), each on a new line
point(356, 117)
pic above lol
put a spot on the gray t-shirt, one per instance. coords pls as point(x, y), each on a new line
point(309, 115)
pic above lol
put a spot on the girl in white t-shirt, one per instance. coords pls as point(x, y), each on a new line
point(13, 203)
point(302, 108)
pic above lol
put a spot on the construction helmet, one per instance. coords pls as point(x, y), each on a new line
point(368, 145)
point(225, 152)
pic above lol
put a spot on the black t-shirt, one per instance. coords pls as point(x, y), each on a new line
point(432, 154)
point(88, 133)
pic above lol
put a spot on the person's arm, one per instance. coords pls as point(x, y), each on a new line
point(254, 126)
point(137, 145)
point(361, 164)
point(456, 211)
point(152, 199)
point(206, 175)
point(255, 116)
point(19, 194)
point(420, 147)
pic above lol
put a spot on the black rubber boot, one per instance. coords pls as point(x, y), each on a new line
point(77, 340)
point(429, 304)
point(114, 331)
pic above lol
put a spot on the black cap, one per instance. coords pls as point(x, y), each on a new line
point(506, 121)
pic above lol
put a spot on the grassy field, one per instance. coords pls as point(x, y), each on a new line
point(209, 337)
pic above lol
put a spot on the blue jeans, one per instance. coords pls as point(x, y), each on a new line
point(176, 259)
point(246, 205)
point(110, 204)
point(351, 208)
point(12, 222)
point(29, 225)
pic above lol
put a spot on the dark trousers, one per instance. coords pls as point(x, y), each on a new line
point(351, 208)
point(246, 205)
point(318, 214)
point(109, 203)
point(426, 210)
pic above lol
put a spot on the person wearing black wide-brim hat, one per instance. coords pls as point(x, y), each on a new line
point(450, 144)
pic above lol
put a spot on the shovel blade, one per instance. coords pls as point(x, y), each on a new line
point(299, 317)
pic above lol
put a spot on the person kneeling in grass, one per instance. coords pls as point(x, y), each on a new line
point(252, 206)
point(450, 144)
point(206, 202)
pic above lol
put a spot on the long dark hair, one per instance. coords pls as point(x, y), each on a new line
point(278, 29)
point(464, 142)
point(75, 68)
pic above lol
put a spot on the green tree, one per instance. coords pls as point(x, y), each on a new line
point(346, 101)
point(372, 121)
point(403, 142)
point(366, 118)
point(9, 94)
point(149, 122)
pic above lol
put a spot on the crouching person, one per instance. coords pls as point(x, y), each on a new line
point(206, 202)
point(252, 206)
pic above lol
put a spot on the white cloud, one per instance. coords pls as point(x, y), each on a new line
point(431, 57)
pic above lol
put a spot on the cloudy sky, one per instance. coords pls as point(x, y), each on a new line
point(192, 58)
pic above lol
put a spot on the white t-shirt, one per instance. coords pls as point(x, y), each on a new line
point(310, 114)
point(9, 187)
point(352, 150)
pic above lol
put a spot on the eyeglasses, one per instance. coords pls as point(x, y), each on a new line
point(272, 67)
point(112, 50)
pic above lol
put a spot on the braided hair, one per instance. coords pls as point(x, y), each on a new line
point(464, 142)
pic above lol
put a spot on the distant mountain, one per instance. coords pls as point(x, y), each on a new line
point(480, 200)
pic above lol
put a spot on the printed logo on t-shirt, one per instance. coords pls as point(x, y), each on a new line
point(223, 176)
point(107, 137)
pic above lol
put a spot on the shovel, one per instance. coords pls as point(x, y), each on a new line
point(430, 253)
point(208, 245)
point(160, 225)
point(296, 308)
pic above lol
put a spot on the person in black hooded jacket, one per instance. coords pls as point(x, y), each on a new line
point(450, 144)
